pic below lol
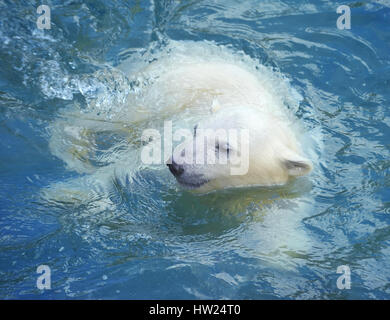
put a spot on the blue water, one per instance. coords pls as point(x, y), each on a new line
point(155, 241)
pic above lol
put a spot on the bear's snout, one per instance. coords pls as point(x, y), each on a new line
point(176, 169)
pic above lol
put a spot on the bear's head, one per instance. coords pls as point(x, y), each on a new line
point(238, 147)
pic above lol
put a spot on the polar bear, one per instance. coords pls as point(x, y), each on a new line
point(198, 86)
point(230, 97)
point(271, 152)
point(194, 84)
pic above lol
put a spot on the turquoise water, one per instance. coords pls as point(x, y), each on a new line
point(145, 238)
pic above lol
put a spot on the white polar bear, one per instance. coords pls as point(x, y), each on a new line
point(272, 152)
point(243, 102)
point(190, 83)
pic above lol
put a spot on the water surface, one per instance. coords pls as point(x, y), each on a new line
point(145, 238)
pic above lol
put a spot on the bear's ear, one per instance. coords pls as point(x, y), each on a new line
point(296, 165)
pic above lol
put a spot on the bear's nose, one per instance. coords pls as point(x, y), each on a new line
point(176, 169)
